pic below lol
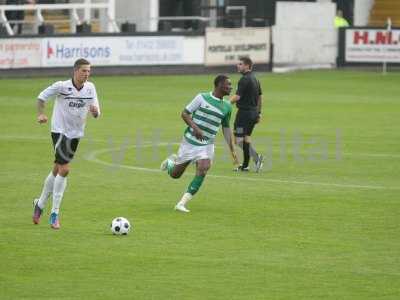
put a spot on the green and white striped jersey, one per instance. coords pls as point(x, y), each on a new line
point(208, 112)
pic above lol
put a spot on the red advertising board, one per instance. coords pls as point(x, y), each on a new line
point(20, 53)
point(372, 45)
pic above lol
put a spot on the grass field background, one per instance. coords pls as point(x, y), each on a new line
point(321, 221)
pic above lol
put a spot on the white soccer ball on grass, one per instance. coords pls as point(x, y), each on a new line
point(120, 226)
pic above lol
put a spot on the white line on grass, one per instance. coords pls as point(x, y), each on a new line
point(155, 144)
point(92, 157)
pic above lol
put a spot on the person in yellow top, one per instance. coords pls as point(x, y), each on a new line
point(340, 21)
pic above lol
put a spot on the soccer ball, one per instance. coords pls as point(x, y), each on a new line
point(120, 226)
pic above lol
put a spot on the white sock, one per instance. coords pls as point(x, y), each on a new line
point(185, 199)
point(47, 190)
point(60, 183)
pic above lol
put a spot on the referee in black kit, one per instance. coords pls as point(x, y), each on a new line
point(248, 100)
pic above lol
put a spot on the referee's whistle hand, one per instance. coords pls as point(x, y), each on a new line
point(42, 118)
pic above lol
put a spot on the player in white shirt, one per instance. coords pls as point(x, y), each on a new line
point(75, 98)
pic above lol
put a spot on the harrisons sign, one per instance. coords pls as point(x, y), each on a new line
point(115, 51)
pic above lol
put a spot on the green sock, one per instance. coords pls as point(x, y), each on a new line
point(170, 166)
point(194, 186)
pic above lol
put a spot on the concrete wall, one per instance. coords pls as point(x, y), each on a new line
point(304, 34)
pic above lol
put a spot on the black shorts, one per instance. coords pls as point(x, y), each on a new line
point(244, 122)
point(64, 148)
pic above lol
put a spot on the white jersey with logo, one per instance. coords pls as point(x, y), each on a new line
point(71, 106)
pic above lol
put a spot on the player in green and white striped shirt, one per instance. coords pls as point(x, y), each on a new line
point(203, 115)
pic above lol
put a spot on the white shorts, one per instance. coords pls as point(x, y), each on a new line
point(188, 152)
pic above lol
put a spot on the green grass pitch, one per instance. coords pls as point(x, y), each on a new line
point(321, 222)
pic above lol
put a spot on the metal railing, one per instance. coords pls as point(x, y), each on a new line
point(241, 8)
point(73, 8)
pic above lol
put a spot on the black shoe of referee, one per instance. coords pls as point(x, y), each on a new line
point(241, 169)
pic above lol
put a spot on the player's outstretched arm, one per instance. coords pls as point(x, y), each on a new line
point(43, 97)
point(41, 117)
point(189, 121)
point(229, 140)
